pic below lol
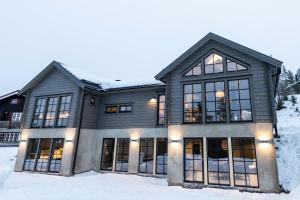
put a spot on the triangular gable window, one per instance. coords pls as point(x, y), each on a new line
point(213, 64)
point(195, 71)
point(233, 66)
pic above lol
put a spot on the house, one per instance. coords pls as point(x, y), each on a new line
point(11, 108)
point(207, 121)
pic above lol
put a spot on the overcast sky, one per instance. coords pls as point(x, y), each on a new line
point(135, 39)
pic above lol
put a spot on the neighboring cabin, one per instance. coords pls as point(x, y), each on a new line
point(11, 109)
point(207, 121)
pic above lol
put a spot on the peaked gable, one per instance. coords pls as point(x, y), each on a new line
point(51, 67)
point(224, 41)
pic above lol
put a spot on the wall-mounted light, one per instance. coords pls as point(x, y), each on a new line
point(175, 141)
point(69, 141)
point(23, 141)
point(264, 141)
point(134, 140)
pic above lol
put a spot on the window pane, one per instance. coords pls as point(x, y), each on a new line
point(122, 154)
point(197, 70)
point(146, 155)
point(188, 89)
point(107, 154)
point(39, 112)
point(161, 155)
point(240, 104)
point(218, 161)
point(31, 154)
point(192, 103)
point(56, 155)
point(193, 159)
point(43, 156)
point(244, 161)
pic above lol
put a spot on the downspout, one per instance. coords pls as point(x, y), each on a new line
point(79, 129)
point(278, 72)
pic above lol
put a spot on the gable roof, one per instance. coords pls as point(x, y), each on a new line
point(9, 95)
point(84, 80)
point(212, 36)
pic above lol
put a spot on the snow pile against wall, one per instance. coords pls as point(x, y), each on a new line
point(288, 154)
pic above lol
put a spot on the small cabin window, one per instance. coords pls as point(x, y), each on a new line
point(195, 71)
point(125, 108)
point(111, 109)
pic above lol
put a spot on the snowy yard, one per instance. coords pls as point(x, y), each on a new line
point(93, 185)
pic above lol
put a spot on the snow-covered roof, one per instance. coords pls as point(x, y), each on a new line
point(107, 84)
point(9, 95)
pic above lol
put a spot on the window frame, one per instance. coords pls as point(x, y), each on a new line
point(126, 106)
point(124, 140)
point(239, 99)
point(213, 65)
point(50, 154)
point(46, 98)
point(58, 110)
point(158, 109)
point(184, 160)
point(147, 147)
point(245, 174)
point(113, 154)
point(165, 172)
point(201, 102)
point(224, 81)
point(191, 69)
point(237, 63)
point(207, 159)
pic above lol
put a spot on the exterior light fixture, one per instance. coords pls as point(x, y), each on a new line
point(134, 140)
point(175, 141)
point(264, 141)
point(69, 141)
point(23, 141)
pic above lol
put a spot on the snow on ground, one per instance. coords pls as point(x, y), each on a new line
point(289, 145)
point(92, 185)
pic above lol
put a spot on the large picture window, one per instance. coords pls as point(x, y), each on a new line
point(192, 103)
point(215, 102)
point(161, 109)
point(122, 155)
point(213, 64)
point(193, 159)
point(107, 154)
point(240, 103)
point(51, 112)
point(48, 114)
point(218, 161)
point(38, 112)
point(44, 155)
point(64, 111)
point(161, 155)
point(146, 155)
point(244, 162)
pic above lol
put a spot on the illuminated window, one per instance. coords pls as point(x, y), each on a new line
point(193, 159)
point(161, 155)
point(107, 154)
point(125, 108)
point(146, 155)
point(44, 155)
point(215, 102)
point(195, 71)
point(192, 103)
point(213, 64)
point(64, 111)
point(122, 154)
point(218, 161)
point(56, 155)
point(244, 162)
point(38, 112)
point(233, 66)
point(161, 109)
point(51, 112)
point(240, 103)
point(111, 109)
point(16, 117)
